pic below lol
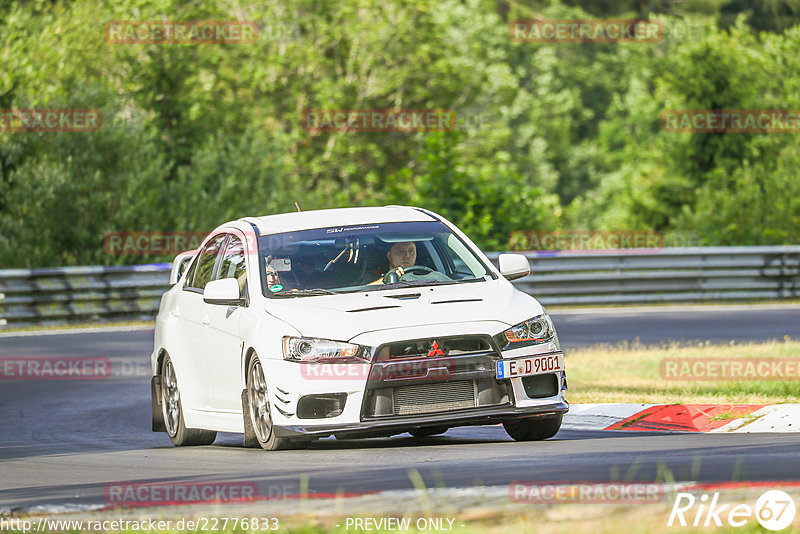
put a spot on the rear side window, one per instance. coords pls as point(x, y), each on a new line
point(184, 264)
point(205, 265)
point(192, 269)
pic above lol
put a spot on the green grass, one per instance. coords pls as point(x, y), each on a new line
point(631, 373)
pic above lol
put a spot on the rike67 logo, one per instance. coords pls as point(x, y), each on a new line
point(774, 510)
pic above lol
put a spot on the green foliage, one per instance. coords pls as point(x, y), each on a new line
point(549, 136)
point(488, 201)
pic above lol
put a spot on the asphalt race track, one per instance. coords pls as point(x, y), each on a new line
point(64, 440)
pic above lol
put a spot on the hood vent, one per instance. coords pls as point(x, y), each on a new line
point(406, 296)
point(455, 301)
point(373, 308)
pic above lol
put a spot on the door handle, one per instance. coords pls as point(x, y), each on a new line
point(176, 311)
point(206, 320)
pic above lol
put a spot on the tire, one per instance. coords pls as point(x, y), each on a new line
point(258, 409)
point(533, 429)
point(428, 431)
point(172, 409)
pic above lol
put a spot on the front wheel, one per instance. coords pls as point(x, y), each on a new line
point(258, 409)
point(533, 429)
point(172, 409)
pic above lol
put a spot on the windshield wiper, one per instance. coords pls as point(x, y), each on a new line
point(305, 292)
point(417, 283)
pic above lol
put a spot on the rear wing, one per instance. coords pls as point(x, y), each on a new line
point(180, 264)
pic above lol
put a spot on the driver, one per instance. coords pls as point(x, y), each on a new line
point(401, 256)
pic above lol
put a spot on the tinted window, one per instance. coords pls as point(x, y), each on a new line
point(183, 265)
point(192, 270)
point(205, 266)
point(360, 258)
point(232, 265)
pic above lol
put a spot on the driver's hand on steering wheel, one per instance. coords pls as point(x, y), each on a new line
point(398, 270)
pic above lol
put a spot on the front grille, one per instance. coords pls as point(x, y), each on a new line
point(439, 397)
point(434, 375)
point(447, 346)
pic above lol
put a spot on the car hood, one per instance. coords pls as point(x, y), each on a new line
point(343, 317)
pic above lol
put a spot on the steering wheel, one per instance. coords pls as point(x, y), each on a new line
point(392, 278)
point(417, 270)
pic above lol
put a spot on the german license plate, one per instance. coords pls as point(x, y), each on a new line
point(532, 365)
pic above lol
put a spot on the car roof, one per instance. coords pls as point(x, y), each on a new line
point(306, 220)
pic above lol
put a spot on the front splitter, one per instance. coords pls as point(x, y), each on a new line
point(469, 417)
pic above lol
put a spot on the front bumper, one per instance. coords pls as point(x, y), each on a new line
point(456, 389)
point(396, 425)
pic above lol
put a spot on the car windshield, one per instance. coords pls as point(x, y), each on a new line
point(365, 258)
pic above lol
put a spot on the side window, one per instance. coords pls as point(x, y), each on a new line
point(464, 262)
point(184, 265)
point(205, 265)
point(192, 270)
point(232, 265)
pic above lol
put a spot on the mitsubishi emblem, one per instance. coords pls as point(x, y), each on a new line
point(435, 350)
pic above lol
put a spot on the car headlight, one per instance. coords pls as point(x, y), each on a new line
point(312, 349)
point(534, 331)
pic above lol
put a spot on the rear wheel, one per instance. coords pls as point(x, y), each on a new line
point(172, 409)
point(427, 431)
point(533, 429)
point(259, 409)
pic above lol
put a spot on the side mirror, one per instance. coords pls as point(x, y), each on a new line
point(179, 266)
point(513, 266)
point(224, 292)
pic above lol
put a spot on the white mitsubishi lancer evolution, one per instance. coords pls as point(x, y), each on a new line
point(356, 322)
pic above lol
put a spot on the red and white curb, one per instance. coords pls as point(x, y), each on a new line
point(749, 418)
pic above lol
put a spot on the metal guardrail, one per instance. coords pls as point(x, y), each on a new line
point(70, 294)
point(664, 275)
